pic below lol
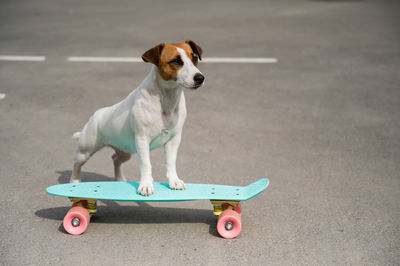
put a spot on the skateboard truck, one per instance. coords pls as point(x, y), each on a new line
point(89, 204)
point(221, 205)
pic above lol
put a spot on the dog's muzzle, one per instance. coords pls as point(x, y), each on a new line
point(198, 80)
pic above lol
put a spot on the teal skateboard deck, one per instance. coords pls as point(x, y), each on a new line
point(127, 191)
point(226, 200)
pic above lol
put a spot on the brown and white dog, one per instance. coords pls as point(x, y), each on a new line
point(151, 116)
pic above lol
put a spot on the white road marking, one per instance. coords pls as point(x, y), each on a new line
point(105, 59)
point(2, 96)
point(232, 60)
point(259, 60)
point(21, 58)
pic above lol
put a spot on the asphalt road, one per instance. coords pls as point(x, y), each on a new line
point(322, 124)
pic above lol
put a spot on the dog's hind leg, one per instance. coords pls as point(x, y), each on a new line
point(119, 157)
point(81, 157)
point(79, 161)
point(88, 144)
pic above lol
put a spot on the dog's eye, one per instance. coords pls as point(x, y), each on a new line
point(195, 59)
point(177, 61)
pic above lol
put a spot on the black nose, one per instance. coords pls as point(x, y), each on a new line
point(198, 78)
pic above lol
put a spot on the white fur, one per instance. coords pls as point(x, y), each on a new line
point(186, 74)
point(151, 116)
point(76, 135)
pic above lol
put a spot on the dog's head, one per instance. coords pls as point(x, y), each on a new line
point(177, 63)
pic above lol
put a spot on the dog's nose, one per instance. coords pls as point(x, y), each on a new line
point(198, 78)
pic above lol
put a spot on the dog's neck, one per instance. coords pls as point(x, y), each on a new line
point(169, 92)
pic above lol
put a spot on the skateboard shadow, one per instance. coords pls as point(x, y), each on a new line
point(142, 214)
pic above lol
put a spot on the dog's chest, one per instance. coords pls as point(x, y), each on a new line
point(160, 115)
point(164, 129)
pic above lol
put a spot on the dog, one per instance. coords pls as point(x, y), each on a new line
point(151, 116)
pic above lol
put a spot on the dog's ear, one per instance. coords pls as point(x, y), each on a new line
point(196, 49)
point(153, 55)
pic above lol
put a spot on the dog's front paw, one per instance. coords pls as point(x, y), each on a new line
point(146, 188)
point(176, 183)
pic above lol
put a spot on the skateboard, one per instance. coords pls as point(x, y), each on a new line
point(225, 199)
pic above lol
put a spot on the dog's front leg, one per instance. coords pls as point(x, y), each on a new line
point(170, 154)
point(146, 180)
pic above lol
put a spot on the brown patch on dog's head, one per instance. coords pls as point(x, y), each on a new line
point(168, 60)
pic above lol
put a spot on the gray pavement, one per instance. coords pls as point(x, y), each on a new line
point(322, 124)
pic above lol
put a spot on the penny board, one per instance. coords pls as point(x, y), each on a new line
point(127, 191)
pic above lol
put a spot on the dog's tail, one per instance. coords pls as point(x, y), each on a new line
point(76, 135)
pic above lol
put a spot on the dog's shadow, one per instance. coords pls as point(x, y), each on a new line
point(142, 213)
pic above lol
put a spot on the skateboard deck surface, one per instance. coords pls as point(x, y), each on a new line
point(127, 191)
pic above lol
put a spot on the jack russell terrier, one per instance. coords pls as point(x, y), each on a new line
point(151, 116)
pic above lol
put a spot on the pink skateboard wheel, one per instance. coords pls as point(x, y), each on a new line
point(76, 220)
point(229, 224)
